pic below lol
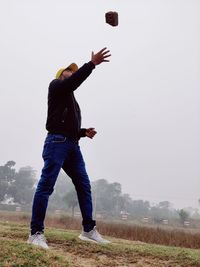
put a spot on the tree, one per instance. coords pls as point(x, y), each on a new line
point(98, 190)
point(72, 200)
point(10, 164)
point(7, 176)
point(106, 197)
point(22, 186)
point(17, 186)
point(114, 197)
point(125, 203)
point(164, 205)
point(184, 215)
point(140, 208)
point(63, 186)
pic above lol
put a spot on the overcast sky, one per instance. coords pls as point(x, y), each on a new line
point(144, 104)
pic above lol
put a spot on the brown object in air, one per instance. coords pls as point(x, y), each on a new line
point(112, 18)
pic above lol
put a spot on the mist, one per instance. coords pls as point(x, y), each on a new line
point(143, 103)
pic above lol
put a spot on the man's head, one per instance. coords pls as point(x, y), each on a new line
point(66, 72)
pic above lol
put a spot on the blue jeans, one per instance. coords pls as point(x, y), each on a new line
point(62, 152)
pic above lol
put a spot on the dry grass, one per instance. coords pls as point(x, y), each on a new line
point(152, 235)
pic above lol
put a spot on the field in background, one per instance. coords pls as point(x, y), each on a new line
point(67, 250)
point(152, 235)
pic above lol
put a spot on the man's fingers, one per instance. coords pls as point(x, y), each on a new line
point(91, 132)
point(91, 135)
point(105, 56)
point(100, 57)
point(100, 52)
point(106, 52)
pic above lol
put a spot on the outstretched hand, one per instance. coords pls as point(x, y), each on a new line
point(101, 56)
point(90, 132)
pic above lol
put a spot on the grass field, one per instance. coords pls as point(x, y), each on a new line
point(186, 238)
point(67, 250)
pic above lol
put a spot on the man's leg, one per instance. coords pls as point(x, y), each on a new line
point(43, 191)
point(75, 169)
point(54, 153)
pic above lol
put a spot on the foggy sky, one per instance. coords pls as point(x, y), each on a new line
point(144, 104)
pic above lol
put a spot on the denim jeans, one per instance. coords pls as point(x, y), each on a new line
point(62, 152)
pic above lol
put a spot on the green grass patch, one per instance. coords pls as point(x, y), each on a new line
point(15, 252)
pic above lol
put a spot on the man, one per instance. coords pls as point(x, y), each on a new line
point(61, 150)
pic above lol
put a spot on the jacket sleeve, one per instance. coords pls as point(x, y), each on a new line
point(82, 132)
point(75, 80)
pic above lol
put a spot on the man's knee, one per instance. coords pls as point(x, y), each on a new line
point(83, 186)
point(44, 189)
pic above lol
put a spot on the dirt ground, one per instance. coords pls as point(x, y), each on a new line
point(78, 256)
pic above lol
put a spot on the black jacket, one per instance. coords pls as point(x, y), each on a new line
point(64, 115)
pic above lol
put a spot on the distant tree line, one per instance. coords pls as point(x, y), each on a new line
point(17, 187)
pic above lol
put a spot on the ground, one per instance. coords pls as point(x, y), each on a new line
point(67, 250)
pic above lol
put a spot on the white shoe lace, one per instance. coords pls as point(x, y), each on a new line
point(97, 234)
point(40, 236)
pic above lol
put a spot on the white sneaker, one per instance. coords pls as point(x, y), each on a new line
point(93, 236)
point(38, 239)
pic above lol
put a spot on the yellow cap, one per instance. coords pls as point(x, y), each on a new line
point(73, 67)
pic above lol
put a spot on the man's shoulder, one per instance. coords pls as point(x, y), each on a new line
point(54, 82)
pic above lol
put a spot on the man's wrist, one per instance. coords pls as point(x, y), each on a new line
point(83, 132)
point(92, 63)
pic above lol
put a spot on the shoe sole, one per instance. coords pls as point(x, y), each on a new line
point(30, 243)
point(87, 239)
point(84, 238)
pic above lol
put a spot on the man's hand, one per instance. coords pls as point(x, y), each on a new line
point(101, 56)
point(90, 132)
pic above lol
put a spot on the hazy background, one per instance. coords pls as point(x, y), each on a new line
point(144, 104)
